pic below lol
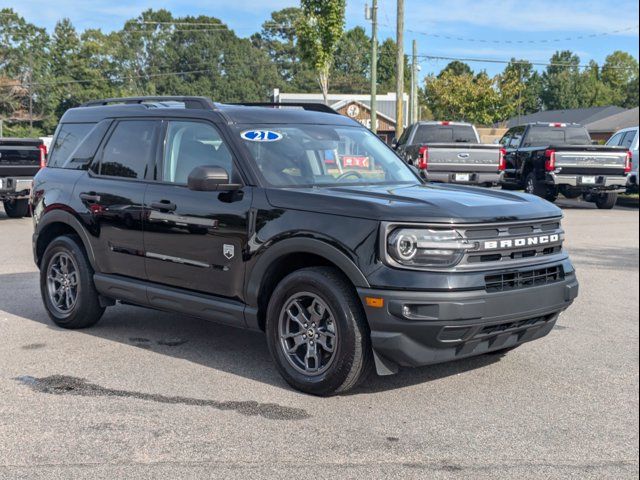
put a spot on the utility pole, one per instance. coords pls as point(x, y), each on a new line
point(413, 101)
point(374, 65)
point(30, 94)
point(400, 70)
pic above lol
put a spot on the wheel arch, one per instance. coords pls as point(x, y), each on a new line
point(285, 257)
point(55, 224)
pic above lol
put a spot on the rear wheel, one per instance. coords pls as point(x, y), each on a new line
point(606, 201)
point(66, 285)
point(16, 208)
point(538, 188)
point(317, 332)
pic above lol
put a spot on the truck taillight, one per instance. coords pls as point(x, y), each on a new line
point(43, 155)
point(628, 164)
point(550, 163)
point(423, 161)
point(502, 162)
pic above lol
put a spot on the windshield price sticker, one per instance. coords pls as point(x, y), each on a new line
point(261, 136)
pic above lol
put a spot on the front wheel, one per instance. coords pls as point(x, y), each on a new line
point(66, 285)
point(317, 332)
point(606, 201)
point(16, 208)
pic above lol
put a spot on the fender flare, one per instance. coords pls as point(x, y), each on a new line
point(300, 245)
point(66, 218)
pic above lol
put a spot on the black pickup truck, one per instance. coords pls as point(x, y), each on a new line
point(547, 159)
point(450, 152)
point(20, 160)
point(235, 214)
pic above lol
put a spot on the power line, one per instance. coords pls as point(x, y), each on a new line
point(521, 62)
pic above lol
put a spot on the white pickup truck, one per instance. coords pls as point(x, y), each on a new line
point(451, 152)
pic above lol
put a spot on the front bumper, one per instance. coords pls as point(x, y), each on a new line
point(15, 187)
point(603, 182)
point(475, 178)
point(422, 328)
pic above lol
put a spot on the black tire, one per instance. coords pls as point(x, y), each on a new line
point(606, 201)
point(538, 188)
point(16, 208)
point(86, 310)
point(510, 186)
point(352, 358)
point(571, 194)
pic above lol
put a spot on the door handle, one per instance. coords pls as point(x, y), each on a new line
point(165, 205)
point(90, 197)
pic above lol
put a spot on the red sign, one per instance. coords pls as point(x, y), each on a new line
point(353, 161)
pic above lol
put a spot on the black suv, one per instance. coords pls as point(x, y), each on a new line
point(295, 221)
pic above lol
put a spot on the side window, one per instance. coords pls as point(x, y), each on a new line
point(627, 140)
point(615, 140)
point(68, 138)
point(193, 144)
point(405, 135)
point(130, 149)
point(504, 141)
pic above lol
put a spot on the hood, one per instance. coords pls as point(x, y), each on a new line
point(439, 203)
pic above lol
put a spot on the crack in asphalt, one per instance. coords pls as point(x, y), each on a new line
point(66, 385)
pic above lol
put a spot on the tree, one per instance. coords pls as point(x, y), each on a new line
point(619, 71)
point(561, 82)
point(279, 40)
point(387, 67)
point(320, 29)
point(352, 62)
point(457, 68)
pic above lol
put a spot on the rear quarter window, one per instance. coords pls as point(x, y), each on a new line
point(67, 140)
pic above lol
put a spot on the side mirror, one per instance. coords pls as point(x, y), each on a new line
point(210, 179)
point(394, 143)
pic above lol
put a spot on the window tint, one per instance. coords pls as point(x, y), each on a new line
point(542, 135)
point(445, 134)
point(69, 137)
point(129, 149)
point(190, 145)
point(615, 140)
point(405, 136)
point(627, 140)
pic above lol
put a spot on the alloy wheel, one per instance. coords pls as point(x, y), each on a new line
point(308, 334)
point(62, 283)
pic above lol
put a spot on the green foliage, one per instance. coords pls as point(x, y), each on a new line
point(319, 30)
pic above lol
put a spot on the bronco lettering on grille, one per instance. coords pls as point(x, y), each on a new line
point(521, 242)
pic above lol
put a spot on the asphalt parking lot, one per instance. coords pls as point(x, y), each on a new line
point(151, 395)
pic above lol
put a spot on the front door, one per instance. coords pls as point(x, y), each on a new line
point(194, 240)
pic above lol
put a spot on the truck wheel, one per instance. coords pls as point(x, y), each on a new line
point(606, 201)
point(535, 187)
point(16, 208)
point(66, 285)
point(317, 332)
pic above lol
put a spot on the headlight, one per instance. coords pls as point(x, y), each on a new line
point(417, 247)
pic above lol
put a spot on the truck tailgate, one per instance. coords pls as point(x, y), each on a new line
point(594, 160)
point(19, 157)
point(462, 157)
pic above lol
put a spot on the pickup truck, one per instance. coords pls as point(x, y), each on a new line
point(450, 152)
point(20, 160)
point(628, 138)
point(547, 159)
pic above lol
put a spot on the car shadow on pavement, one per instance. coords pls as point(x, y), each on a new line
point(220, 347)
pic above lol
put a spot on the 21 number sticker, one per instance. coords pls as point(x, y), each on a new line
point(261, 136)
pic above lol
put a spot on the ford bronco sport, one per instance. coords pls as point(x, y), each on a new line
point(246, 215)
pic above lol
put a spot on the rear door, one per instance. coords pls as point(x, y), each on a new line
point(195, 240)
point(112, 193)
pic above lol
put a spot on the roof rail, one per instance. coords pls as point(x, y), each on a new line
point(202, 103)
point(313, 107)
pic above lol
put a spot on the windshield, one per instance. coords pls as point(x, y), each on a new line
point(322, 155)
point(542, 135)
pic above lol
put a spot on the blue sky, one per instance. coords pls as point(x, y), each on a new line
point(531, 26)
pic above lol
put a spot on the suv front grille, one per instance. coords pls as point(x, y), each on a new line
point(516, 280)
